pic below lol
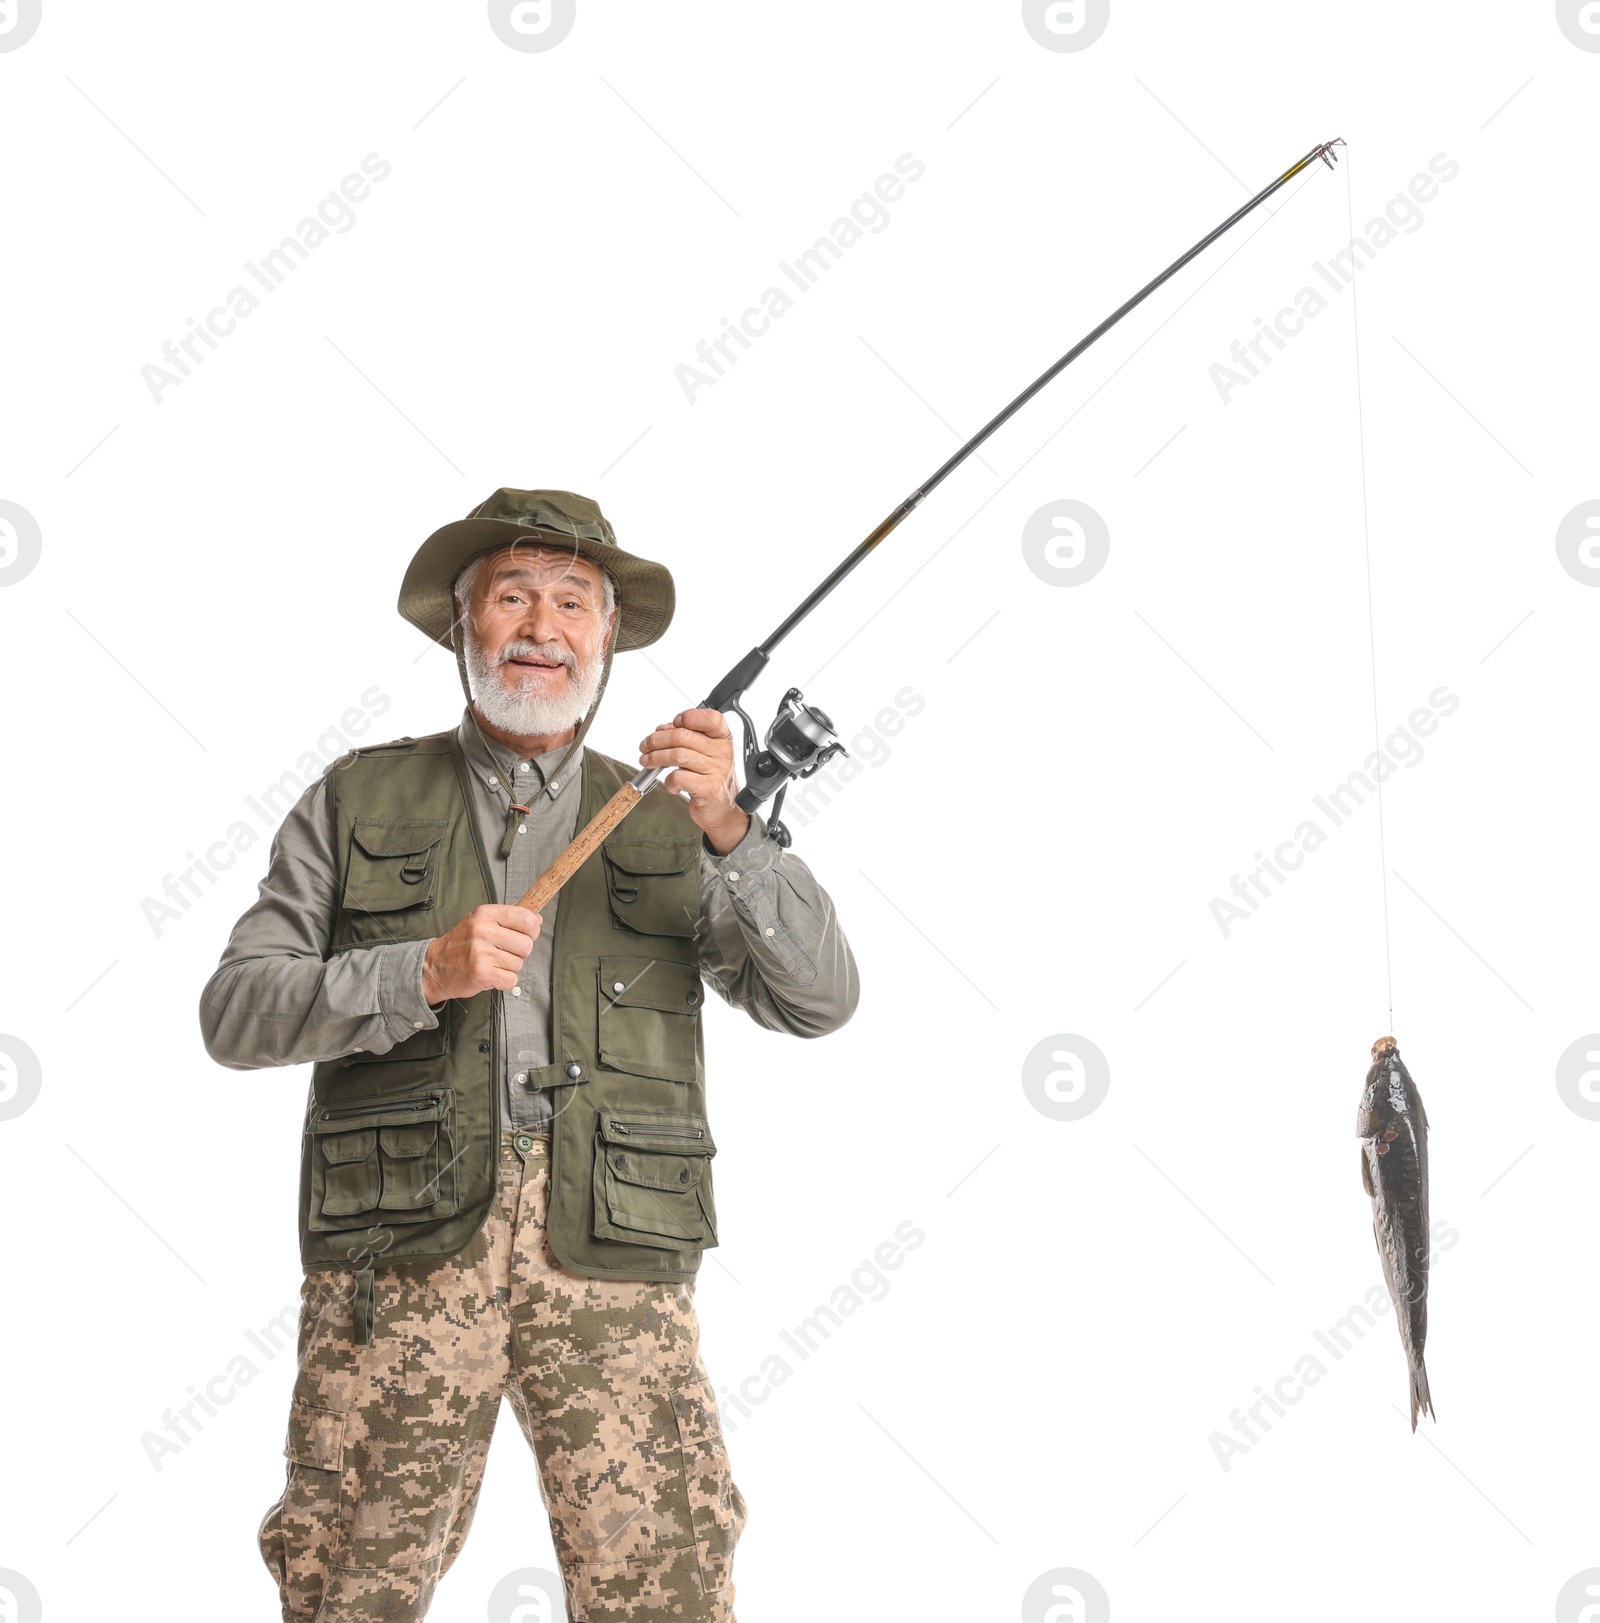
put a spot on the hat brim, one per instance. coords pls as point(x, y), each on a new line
point(644, 587)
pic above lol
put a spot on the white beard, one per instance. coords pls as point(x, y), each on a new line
point(528, 710)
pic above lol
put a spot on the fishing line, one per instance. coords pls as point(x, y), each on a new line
point(1372, 634)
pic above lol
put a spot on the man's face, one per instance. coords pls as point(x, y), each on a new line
point(535, 637)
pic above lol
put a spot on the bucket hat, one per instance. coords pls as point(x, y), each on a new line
point(555, 518)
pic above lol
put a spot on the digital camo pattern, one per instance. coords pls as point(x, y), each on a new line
point(387, 1441)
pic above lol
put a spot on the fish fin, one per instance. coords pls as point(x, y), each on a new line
point(1366, 1173)
point(1421, 1398)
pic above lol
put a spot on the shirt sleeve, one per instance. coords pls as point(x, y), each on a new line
point(769, 939)
point(277, 998)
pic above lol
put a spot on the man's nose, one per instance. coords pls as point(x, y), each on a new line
point(541, 623)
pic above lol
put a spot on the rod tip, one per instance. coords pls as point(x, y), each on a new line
point(1326, 152)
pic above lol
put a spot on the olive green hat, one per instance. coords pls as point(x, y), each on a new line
point(555, 518)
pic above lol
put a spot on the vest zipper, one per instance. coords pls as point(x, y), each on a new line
point(658, 1132)
point(378, 1107)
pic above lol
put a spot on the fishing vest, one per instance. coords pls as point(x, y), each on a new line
point(400, 1148)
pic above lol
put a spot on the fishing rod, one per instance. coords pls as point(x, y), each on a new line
point(801, 738)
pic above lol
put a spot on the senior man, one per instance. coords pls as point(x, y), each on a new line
point(505, 1182)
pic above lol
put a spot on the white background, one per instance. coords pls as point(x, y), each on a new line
point(1034, 853)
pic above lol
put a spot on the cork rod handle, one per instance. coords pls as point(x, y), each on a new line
point(579, 852)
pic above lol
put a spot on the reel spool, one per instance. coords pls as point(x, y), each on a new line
point(800, 740)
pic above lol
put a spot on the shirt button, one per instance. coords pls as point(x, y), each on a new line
point(522, 828)
point(417, 1025)
point(618, 986)
point(522, 766)
point(493, 781)
point(554, 784)
point(516, 991)
point(770, 930)
point(359, 1050)
point(524, 1143)
point(732, 877)
point(522, 1076)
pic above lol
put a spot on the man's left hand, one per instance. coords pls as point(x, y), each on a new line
point(699, 745)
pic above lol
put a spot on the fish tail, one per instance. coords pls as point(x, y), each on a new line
point(1421, 1398)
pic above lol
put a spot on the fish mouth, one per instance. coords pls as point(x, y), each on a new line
point(1384, 1047)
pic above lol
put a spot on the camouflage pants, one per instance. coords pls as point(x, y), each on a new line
point(387, 1440)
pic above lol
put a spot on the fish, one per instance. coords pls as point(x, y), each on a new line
point(1393, 1129)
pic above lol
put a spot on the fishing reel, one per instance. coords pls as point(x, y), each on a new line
point(800, 740)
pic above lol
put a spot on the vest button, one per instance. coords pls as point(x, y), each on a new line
point(574, 1070)
point(621, 1161)
point(683, 1177)
point(619, 986)
point(483, 1048)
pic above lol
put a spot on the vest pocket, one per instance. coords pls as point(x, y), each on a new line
point(648, 1017)
point(653, 885)
point(388, 1157)
point(652, 1181)
point(350, 1180)
point(392, 864)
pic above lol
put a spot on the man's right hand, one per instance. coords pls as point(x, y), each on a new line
point(484, 952)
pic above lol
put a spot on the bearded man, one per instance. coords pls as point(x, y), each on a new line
point(505, 1182)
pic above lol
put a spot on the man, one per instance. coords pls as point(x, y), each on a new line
point(506, 1182)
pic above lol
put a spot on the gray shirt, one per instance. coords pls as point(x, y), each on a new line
point(767, 938)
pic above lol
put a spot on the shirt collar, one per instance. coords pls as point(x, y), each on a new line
point(502, 772)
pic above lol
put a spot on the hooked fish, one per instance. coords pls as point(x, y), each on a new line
point(1393, 1128)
